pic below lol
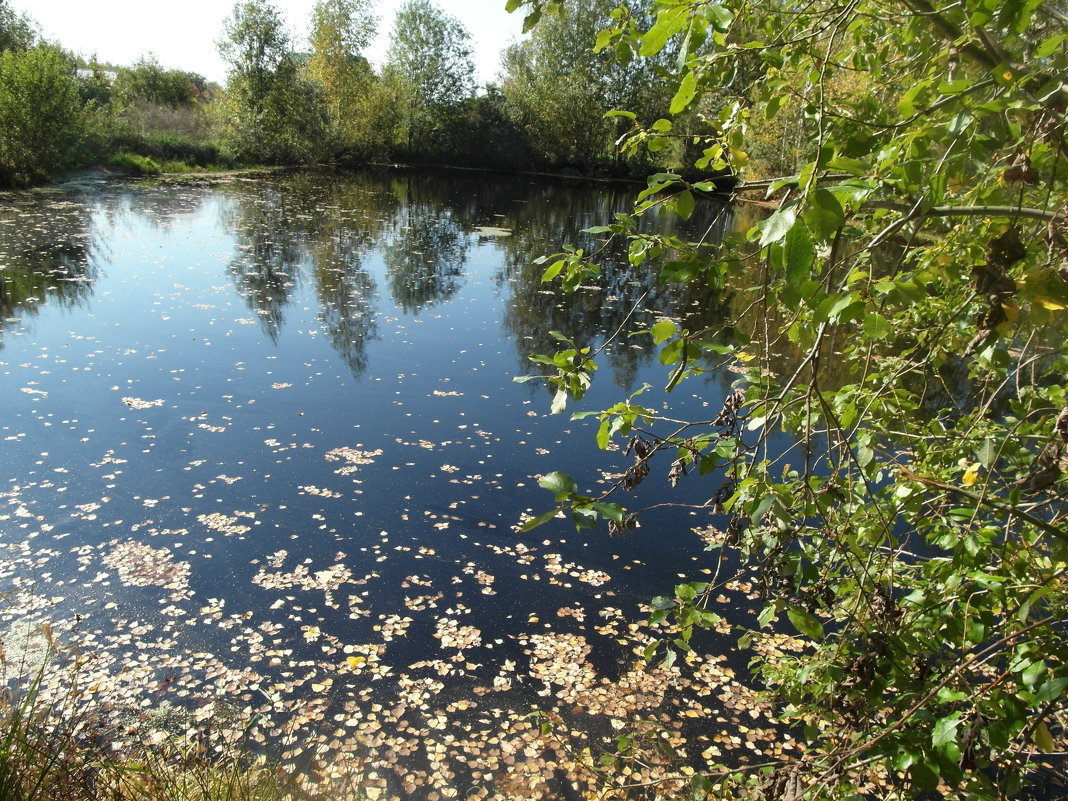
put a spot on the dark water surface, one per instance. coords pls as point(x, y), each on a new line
point(263, 458)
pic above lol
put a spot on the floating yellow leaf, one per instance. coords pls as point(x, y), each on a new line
point(355, 661)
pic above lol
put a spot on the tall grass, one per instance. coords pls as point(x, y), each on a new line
point(49, 750)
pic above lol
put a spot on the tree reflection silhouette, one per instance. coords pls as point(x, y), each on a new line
point(621, 301)
point(426, 249)
point(49, 254)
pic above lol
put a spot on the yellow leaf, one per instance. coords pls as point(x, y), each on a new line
point(1043, 738)
point(355, 661)
point(1050, 303)
point(318, 688)
point(971, 475)
point(1012, 314)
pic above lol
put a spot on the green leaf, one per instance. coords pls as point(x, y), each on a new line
point(531, 20)
point(876, 326)
point(805, 623)
point(669, 658)
point(824, 214)
point(834, 307)
point(534, 522)
point(1051, 45)
point(799, 254)
point(604, 38)
point(987, 453)
point(684, 204)
point(604, 434)
point(767, 614)
point(720, 16)
point(668, 23)
point(903, 760)
point(584, 518)
point(609, 511)
point(685, 592)
point(560, 483)
point(775, 227)
point(945, 730)
point(1032, 673)
point(1054, 688)
point(848, 165)
point(685, 94)
point(552, 271)
point(924, 776)
point(663, 330)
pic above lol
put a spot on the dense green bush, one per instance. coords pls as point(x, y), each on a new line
point(40, 114)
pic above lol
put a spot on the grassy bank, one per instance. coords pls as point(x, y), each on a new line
point(51, 750)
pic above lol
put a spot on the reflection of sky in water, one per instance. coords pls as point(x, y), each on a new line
point(266, 444)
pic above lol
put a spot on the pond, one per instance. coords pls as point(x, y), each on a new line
point(264, 460)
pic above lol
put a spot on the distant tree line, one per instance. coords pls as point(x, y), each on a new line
point(326, 103)
point(330, 104)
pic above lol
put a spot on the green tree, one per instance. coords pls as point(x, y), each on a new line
point(147, 80)
point(16, 30)
point(274, 114)
point(429, 60)
point(910, 285)
point(558, 89)
point(40, 114)
point(340, 31)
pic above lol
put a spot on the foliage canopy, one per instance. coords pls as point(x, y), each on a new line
point(340, 31)
point(429, 59)
point(905, 324)
point(41, 115)
point(275, 113)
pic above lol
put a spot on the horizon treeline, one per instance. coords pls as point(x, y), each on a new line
point(550, 109)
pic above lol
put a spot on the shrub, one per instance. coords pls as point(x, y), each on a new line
point(40, 114)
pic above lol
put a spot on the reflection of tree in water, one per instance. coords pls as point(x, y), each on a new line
point(317, 227)
point(346, 291)
point(48, 254)
point(623, 298)
point(271, 247)
point(427, 248)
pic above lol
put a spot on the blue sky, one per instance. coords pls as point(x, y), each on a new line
point(182, 34)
